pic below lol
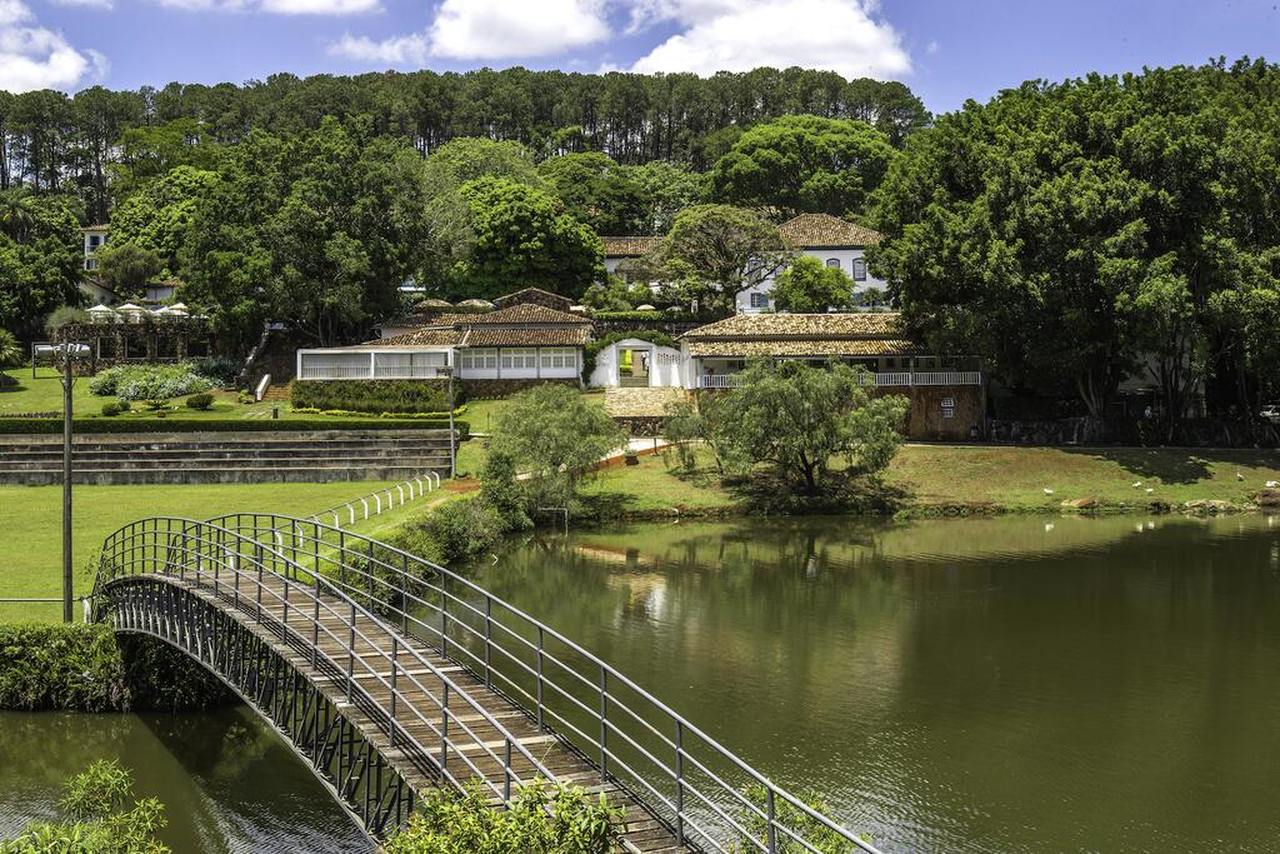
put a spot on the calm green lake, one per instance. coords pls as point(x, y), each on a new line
point(228, 781)
point(1012, 684)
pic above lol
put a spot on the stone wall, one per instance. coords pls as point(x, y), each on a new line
point(483, 389)
point(961, 419)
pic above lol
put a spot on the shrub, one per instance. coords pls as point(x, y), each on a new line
point(148, 382)
point(111, 409)
point(223, 370)
point(101, 816)
point(550, 819)
point(464, 529)
point(10, 350)
point(125, 405)
point(374, 396)
point(200, 401)
point(7, 382)
point(501, 491)
point(85, 668)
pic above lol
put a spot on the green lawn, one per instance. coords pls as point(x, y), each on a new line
point(44, 394)
point(1016, 478)
point(31, 524)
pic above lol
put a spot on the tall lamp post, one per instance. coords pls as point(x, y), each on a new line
point(453, 436)
point(66, 347)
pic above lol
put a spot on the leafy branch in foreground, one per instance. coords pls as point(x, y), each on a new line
point(98, 819)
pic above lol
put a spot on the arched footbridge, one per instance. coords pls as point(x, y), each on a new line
point(389, 674)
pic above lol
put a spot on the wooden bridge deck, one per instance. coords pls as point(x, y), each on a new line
point(639, 830)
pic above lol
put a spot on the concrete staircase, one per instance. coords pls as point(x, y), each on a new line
point(276, 393)
point(227, 457)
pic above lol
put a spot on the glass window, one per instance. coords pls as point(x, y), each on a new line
point(834, 262)
point(520, 359)
point(759, 300)
point(859, 270)
point(559, 357)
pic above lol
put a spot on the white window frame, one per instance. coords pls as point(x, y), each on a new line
point(558, 357)
point(759, 299)
point(859, 269)
point(519, 358)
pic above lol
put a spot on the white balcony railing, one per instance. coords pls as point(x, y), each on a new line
point(887, 378)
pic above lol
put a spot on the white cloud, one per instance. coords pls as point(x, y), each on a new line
point(500, 29)
point(279, 7)
point(87, 4)
point(34, 57)
point(400, 50)
point(487, 29)
point(719, 35)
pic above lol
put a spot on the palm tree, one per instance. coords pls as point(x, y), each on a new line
point(17, 214)
point(10, 350)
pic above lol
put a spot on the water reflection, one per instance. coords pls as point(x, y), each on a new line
point(228, 782)
point(992, 684)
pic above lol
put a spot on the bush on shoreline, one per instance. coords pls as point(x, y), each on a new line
point(87, 668)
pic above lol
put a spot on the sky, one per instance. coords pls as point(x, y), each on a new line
point(946, 50)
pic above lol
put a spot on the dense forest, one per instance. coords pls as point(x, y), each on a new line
point(49, 141)
point(1071, 234)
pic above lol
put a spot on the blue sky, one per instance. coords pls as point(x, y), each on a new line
point(946, 50)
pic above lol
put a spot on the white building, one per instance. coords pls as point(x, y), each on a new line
point(95, 237)
point(515, 345)
point(833, 241)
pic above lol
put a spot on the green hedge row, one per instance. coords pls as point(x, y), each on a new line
point(51, 426)
point(86, 668)
point(375, 395)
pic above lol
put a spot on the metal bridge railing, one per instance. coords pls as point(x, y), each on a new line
point(379, 501)
point(313, 611)
point(710, 798)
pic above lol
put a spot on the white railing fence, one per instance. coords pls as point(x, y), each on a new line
point(378, 502)
point(886, 378)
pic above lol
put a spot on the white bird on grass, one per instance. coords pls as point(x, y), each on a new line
point(1150, 490)
point(1048, 491)
point(1137, 483)
point(1239, 476)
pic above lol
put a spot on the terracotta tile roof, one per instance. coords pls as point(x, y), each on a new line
point(865, 324)
point(852, 334)
point(537, 296)
point(525, 336)
point(425, 337)
point(805, 347)
point(825, 230)
point(520, 325)
point(628, 247)
point(524, 312)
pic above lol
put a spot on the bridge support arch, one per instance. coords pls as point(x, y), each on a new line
point(273, 678)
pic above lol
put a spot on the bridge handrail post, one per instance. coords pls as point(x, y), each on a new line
point(395, 654)
point(488, 641)
point(315, 626)
point(257, 554)
point(679, 782)
point(604, 722)
point(773, 830)
point(506, 770)
point(540, 680)
point(351, 652)
point(444, 728)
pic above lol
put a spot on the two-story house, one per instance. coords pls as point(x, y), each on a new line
point(834, 241)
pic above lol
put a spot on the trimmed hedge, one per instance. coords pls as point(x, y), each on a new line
point(50, 426)
point(86, 668)
point(375, 396)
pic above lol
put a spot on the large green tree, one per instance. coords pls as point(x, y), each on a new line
point(40, 258)
point(797, 164)
point(808, 285)
point(1078, 232)
point(800, 419)
point(509, 236)
point(599, 192)
point(317, 230)
point(714, 251)
point(159, 217)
